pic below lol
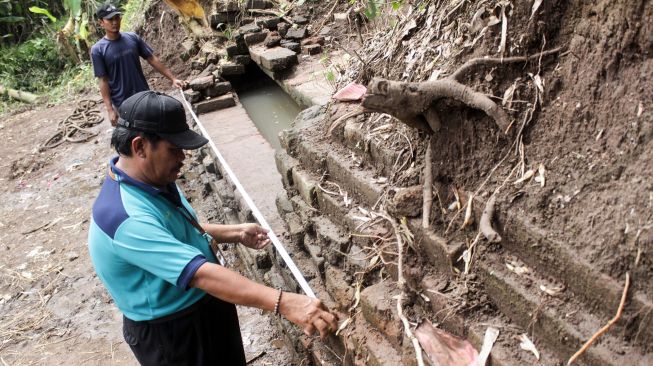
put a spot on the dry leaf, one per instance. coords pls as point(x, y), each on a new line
point(536, 5)
point(552, 291)
point(444, 348)
point(516, 268)
point(507, 95)
point(357, 296)
point(540, 178)
point(528, 175)
point(468, 212)
point(343, 325)
point(527, 345)
point(491, 335)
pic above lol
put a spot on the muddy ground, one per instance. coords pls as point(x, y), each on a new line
point(53, 309)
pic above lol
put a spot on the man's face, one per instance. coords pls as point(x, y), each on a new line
point(111, 25)
point(162, 162)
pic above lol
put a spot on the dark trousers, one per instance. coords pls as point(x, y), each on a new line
point(206, 333)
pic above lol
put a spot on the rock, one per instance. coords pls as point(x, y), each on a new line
point(272, 40)
point(230, 68)
point(72, 256)
point(325, 31)
point(406, 202)
point(254, 38)
point(212, 58)
point(269, 23)
point(222, 18)
point(246, 21)
point(278, 58)
point(258, 4)
point(297, 33)
point(227, 5)
point(293, 46)
point(201, 83)
point(237, 49)
point(313, 49)
point(213, 104)
point(249, 28)
point(218, 89)
point(298, 19)
point(198, 63)
point(313, 40)
point(283, 29)
point(207, 71)
point(192, 96)
point(242, 59)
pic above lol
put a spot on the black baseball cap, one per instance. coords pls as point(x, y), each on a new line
point(107, 11)
point(161, 114)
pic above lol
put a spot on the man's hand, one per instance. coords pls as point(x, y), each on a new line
point(253, 236)
point(113, 116)
point(181, 84)
point(308, 313)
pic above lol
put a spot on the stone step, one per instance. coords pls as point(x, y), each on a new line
point(273, 59)
point(598, 291)
point(214, 104)
point(562, 322)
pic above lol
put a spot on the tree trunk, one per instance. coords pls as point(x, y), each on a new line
point(20, 95)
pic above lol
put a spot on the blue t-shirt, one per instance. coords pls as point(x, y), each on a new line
point(143, 249)
point(119, 61)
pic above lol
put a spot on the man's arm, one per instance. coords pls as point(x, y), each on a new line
point(251, 235)
point(105, 91)
point(163, 70)
point(308, 313)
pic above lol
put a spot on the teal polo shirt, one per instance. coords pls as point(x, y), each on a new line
point(143, 249)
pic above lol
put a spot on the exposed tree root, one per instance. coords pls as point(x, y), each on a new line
point(427, 191)
point(412, 103)
point(486, 222)
point(605, 327)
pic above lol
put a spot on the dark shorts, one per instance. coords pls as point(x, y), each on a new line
point(206, 333)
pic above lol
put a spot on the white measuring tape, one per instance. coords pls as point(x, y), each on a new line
point(257, 214)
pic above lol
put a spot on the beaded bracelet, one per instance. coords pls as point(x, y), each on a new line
point(276, 305)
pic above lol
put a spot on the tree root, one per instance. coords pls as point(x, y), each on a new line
point(412, 103)
point(605, 327)
point(427, 191)
point(486, 222)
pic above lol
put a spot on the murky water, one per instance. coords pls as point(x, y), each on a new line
point(270, 108)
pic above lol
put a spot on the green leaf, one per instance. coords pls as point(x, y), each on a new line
point(83, 29)
point(372, 10)
point(73, 6)
point(37, 10)
point(397, 4)
point(11, 19)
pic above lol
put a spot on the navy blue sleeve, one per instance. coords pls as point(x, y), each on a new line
point(188, 272)
point(144, 50)
point(99, 68)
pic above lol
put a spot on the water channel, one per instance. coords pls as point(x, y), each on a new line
point(269, 107)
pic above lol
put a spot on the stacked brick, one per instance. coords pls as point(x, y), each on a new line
point(207, 95)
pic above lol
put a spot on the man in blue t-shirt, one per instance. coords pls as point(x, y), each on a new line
point(156, 260)
point(117, 65)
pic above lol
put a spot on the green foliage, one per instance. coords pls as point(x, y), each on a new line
point(372, 9)
point(37, 10)
point(37, 58)
point(134, 13)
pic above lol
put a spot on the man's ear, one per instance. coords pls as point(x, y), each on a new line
point(138, 147)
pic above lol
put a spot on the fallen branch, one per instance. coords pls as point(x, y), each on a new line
point(427, 190)
point(20, 95)
point(486, 222)
point(605, 327)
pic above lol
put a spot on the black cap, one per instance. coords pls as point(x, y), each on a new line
point(161, 114)
point(107, 11)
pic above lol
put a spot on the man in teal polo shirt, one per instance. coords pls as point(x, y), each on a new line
point(155, 259)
